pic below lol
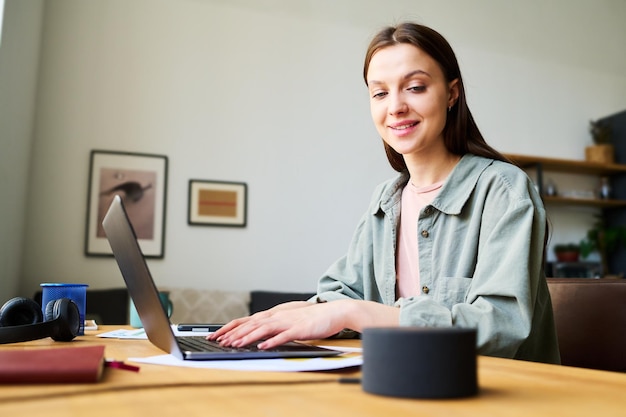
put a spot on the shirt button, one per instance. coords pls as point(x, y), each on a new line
point(424, 233)
point(425, 289)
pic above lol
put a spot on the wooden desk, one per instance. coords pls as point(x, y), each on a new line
point(507, 388)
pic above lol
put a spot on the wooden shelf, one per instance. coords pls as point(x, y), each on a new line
point(567, 165)
point(571, 167)
point(592, 202)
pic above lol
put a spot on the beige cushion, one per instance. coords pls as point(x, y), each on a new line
point(207, 306)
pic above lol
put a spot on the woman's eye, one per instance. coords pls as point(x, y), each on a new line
point(417, 88)
point(379, 94)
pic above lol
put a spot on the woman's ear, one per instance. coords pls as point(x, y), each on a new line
point(453, 92)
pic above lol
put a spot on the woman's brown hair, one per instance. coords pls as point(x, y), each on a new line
point(460, 134)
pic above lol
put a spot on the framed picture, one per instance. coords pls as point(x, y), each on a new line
point(141, 181)
point(217, 203)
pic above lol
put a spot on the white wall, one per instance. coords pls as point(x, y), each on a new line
point(1, 18)
point(19, 56)
point(270, 93)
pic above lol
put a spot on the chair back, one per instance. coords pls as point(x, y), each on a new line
point(590, 317)
point(263, 300)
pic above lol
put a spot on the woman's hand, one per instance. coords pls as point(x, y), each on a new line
point(302, 320)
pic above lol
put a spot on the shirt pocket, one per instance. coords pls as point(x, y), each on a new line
point(452, 290)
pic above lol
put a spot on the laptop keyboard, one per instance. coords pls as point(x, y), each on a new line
point(200, 344)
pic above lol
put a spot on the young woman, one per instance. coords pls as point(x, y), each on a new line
point(456, 239)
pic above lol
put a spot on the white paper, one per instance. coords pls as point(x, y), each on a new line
point(141, 333)
point(352, 357)
point(274, 365)
point(125, 334)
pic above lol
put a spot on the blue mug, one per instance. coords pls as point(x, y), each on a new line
point(76, 292)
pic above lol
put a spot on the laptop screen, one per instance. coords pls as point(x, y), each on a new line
point(138, 279)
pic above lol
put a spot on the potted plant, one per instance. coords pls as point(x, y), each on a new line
point(603, 151)
point(604, 240)
point(567, 252)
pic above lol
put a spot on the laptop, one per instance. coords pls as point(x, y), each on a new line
point(145, 296)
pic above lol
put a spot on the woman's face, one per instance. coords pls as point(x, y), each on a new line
point(409, 99)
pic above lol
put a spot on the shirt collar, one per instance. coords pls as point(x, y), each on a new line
point(454, 193)
point(460, 184)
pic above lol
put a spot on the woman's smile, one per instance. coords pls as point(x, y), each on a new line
point(404, 128)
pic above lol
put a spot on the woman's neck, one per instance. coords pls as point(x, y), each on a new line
point(431, 169)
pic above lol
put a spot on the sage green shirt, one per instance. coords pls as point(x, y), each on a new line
point(481, 244)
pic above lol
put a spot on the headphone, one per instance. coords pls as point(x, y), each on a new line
point(21, 320)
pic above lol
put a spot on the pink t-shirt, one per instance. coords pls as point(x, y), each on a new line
point(407, 259)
